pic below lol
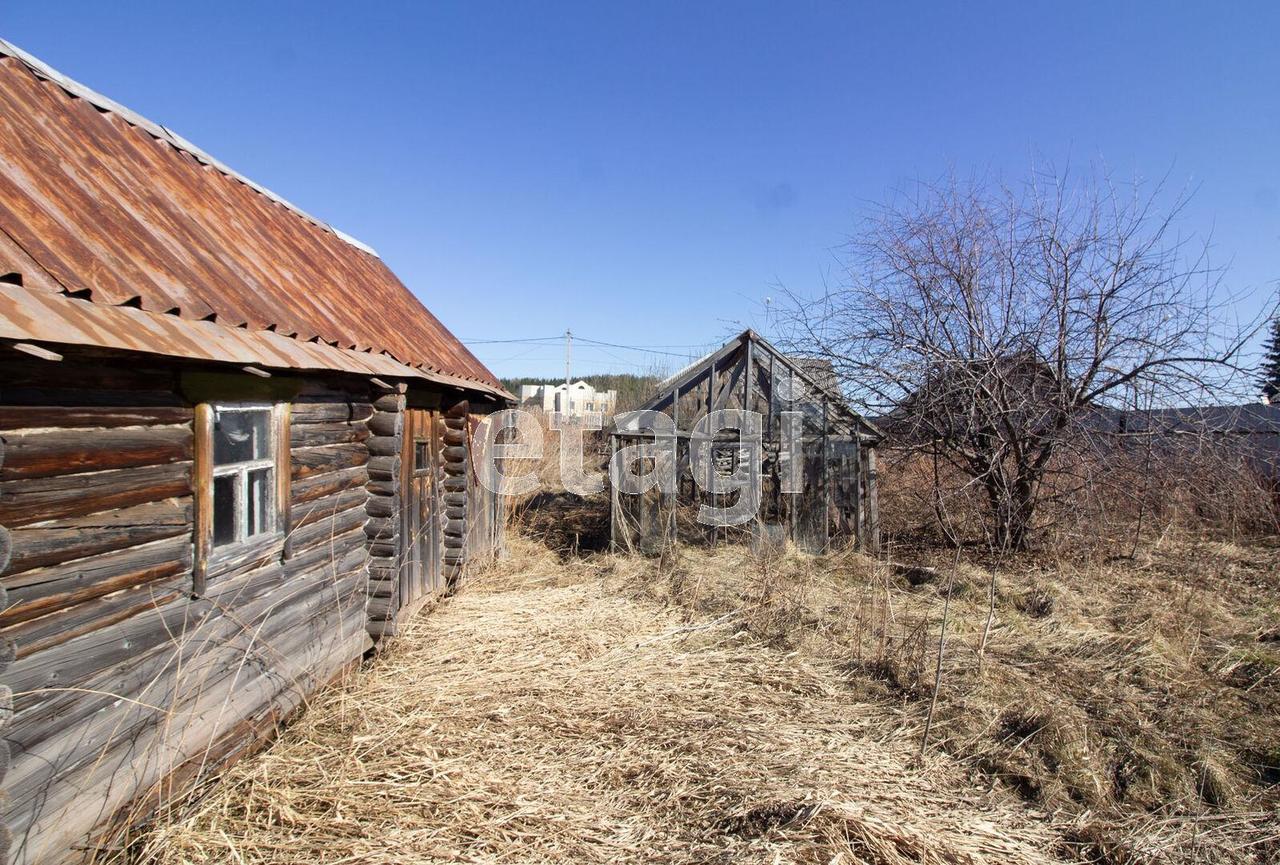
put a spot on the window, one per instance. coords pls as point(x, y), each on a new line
point(240, 477)
point(243, 471)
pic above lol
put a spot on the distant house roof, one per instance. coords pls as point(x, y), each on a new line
point(115, 231)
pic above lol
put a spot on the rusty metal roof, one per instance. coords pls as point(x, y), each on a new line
point(101, 205)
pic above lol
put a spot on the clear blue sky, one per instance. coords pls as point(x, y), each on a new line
point(646, 173)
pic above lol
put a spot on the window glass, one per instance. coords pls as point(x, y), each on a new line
point(258, 505)
point(224, 510)
point(420, 458)
point(243, 474)
point(241, 435)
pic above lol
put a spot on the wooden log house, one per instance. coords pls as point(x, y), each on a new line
point(836, 499)
point(233, 456)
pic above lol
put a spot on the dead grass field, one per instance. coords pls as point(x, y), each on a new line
point(562, 712)
point(1136, 702)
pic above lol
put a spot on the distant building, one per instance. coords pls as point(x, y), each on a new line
point(569, 399)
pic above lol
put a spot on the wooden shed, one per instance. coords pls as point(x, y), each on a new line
point(234, 455)
point(813, 458)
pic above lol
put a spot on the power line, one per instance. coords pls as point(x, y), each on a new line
point(542, 340)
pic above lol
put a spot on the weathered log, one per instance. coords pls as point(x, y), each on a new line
point(27, 501)
point(64, 452)
point(121, 659)
point(219, 688)
point(321, 460)
point(454, 436)
point(455, 483)
point(319, 486)
point(458, 468)
point(385, 423)
point(383, 446)
point(390, 402)
point(36, 592)
point(384, 468)
point(6, 549)
point(382, 549)
point(66, 417)
point(382, 609)
point(383, 572)
point(307, 412)
point(65, 540)
point(329, 517)
point(382, 487)
point(381, 506)
point(317, 434)
point(380, 528)
point(76, 620)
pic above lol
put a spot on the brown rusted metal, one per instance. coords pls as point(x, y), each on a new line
point(31, 314)
point(99, 203)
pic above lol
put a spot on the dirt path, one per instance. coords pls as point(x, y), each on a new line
point(575, 724)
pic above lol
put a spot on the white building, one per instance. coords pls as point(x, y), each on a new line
point(569, 399)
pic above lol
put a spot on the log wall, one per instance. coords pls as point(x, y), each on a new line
point(119, 687)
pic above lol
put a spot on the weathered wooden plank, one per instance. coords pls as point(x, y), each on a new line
point(64, 540)
point(69, 417)
point(324, 459)
point(43, 590)
point(317, 434)
point(27, 501)
point(64, 452)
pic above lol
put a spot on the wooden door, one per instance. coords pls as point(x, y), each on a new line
point(420, 517)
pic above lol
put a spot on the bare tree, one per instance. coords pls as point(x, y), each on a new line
point(995, 325)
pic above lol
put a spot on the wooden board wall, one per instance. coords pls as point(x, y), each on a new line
point(125, 687)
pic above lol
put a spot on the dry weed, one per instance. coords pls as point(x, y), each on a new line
point(554, 713)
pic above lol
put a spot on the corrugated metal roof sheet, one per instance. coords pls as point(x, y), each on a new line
point(31, 314)
point(100, 203)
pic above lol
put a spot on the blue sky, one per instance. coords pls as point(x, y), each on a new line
point(648, 173)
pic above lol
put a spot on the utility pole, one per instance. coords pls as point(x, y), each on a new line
point(568, 354)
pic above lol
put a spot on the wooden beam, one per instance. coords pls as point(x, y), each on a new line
point(693, 374)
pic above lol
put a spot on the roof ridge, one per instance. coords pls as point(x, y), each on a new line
point(164, 133)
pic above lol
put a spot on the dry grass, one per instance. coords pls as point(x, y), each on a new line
point(1139, 703)
point(561, 712)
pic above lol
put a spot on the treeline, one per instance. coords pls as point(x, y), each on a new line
point(632, 389)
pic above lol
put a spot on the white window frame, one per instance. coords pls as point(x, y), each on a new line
point(240, 471)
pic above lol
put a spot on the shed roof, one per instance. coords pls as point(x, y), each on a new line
point(101, 205)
